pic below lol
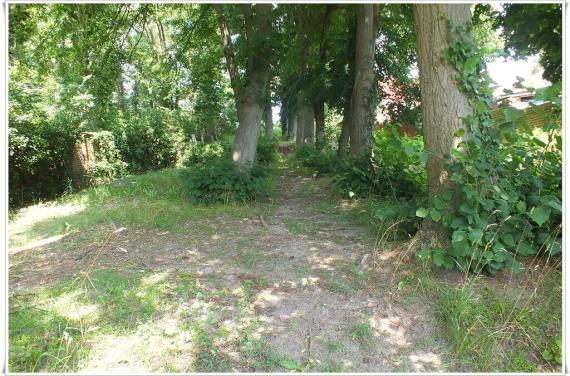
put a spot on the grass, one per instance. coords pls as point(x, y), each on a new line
point(110, 302)
point(153, 200)
point(346, 278)
point(495, 328)
point(127, 304)
point(362, 332)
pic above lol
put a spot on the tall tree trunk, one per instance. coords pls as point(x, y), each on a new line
point(249, 99)
point(364, 93)
point(319, 103)
point(344, 138)
point(268, 120)
point(319, 111)
point(292, 124)
point(443, 104)
point(309, 125)
point(249, 113)
point(283, 118)
point(300, 129)
point(346, 125)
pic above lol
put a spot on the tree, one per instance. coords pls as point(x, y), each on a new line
point(443, 105)
point(364, 91)
point(249, 84)
point(535, 29)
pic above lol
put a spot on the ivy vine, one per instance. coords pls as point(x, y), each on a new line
point(509, 180)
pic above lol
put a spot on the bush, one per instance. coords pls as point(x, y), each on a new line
point(323, 161)
point(108, 165)
point(201, 153)
point(220, 181)
point(266, 151)
point(395, 168)
point(151, 141)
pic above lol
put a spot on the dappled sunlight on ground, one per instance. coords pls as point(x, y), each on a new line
point(231, 293)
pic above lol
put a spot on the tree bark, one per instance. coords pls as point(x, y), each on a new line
point(319, 111)
point(443, 104)
point(300, 123)
point(364, 93)
point(319, 104)
point(292, 124)
point(345, 130)
point(249, 99)
point(268, 120)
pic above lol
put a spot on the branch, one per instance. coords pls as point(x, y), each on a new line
point(228, 47)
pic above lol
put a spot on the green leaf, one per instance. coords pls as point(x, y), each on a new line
point(521, 206)
point(435, 215)
point(540, 214)
point(447, 194)
point(547, 355)
point(438, 257)
point(290, 364)
point(409, 150)
point(475, 235)
point(461, 248)
point(509, 239)
point(438, 203)
point(526, 249)
point(422, 212)
point(554, 204)
point(424, 254)
point(458, 236)
point(458, 222)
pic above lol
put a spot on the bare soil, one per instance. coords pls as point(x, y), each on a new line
point(308, 292)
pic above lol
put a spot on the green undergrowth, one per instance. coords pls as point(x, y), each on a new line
point(494, 326)
point(153, 200)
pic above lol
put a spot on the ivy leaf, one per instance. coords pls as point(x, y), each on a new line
point(458, 222)
point(554, 204)
point(526, 249)
point(461, 248)
point(422, 212)
point(540, 214)
point(509, 240)
point(435, 215)
point(521, 206)
point(475, 235)
point(447, 194)
point(438, 203)
point(458, 236)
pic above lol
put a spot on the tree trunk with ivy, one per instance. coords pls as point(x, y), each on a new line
point(363, 94)
point(443, 105)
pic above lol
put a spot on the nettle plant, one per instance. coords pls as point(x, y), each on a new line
point(504, 199)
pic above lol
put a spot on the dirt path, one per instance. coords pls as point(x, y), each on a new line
point(297, 270)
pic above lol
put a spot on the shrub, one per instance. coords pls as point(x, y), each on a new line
point(323, 161)
point(108, 165)
point(394, 168)
point(151, 140)
point(201, 153)
point(266, 150)
point(220, 181)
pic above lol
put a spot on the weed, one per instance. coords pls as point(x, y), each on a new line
point(362, 333)
point(334, 346)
